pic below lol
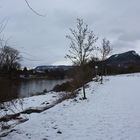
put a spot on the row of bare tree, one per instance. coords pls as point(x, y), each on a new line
point(82, 48)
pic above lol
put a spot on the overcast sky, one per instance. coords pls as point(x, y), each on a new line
point(42, 41)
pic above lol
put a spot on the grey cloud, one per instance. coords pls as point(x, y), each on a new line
point(130, 36)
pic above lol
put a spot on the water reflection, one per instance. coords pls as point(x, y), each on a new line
point(10, 89)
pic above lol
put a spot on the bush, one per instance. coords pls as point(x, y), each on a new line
point(63, 87)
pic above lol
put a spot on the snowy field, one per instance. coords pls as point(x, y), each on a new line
point(111, 112)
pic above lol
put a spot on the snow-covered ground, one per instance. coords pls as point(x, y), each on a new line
point(34, 101)
point(111, 112)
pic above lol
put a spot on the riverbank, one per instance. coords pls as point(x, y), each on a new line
point(111, 112)
point(17, 111)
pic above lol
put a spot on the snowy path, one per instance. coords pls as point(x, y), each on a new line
point(112, 112)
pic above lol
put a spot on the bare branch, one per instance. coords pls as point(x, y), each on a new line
point(34, 11)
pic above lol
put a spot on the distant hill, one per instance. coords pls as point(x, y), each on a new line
point(52, 68)
point(124, 59)
point(118, 63)
point(126, 62)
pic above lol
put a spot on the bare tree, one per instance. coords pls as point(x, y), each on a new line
point(82, 44)
point(105, 51)
point(9, 58)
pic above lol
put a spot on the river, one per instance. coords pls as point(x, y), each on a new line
point(26, 88)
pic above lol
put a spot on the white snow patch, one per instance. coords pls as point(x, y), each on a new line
point(134, 53)
point(116, 55)
point(34, 101)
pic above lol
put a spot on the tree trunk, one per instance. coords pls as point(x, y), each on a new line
point(102, 71)
point(84, 92)
point(101, 79)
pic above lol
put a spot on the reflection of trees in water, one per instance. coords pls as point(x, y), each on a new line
point(8, 90)
point(32, 87)
point(14, 89)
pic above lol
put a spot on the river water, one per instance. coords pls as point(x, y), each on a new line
point(26, 88)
